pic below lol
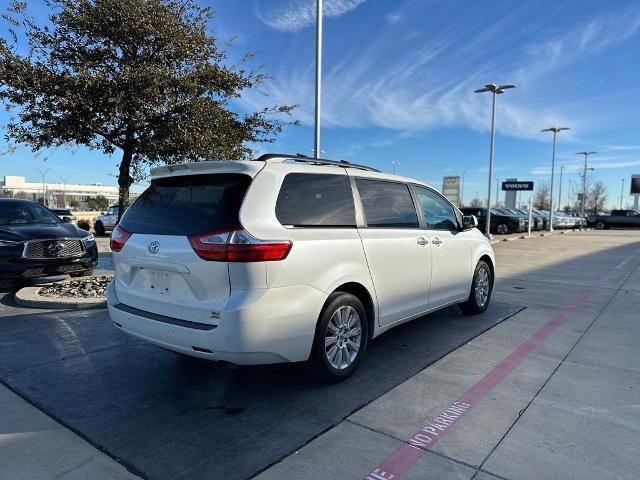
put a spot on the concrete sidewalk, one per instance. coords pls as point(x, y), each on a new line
point(568, 409)
point(33, 446)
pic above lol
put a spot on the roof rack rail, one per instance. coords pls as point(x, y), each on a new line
point(298, 157)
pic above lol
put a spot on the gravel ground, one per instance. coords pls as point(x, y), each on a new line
point(94, 287)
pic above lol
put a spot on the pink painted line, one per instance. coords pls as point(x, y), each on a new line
point(403, 459)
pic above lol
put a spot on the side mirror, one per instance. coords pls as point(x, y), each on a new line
point(469, 221)
point(66, 219)
point(103, 213)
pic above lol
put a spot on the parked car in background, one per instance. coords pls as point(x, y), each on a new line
point(537, 219)
point(106, 221)
point(517, 213)
point(501, 222)
point(34, 242)
point(289, 259)
point(617, 218)
point(65, 215)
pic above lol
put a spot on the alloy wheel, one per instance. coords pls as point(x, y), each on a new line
point(343, 337)
point(482, 287)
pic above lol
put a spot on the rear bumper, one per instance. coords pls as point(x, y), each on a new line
point(256, 327)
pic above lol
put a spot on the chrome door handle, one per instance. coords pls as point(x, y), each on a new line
point(436, 241)
point(422, 241)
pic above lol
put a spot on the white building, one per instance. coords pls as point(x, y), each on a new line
point(57, 195)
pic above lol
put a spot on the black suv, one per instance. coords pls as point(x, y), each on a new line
point(501, 222)
point(34, 242)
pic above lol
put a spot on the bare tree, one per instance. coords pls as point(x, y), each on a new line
point(476, 203)
point(541, 196)
point(596, 197)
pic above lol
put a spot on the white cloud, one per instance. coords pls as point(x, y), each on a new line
point(393, 17)
point(293, 15)
point(430, 83)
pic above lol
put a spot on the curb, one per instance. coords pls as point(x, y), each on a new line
point(29, 297)
point(495, 240)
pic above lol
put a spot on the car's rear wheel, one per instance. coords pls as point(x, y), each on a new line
point(99, 228)
point(503, 228)
point(481, 288)
point(340, 339)
point(600, 225)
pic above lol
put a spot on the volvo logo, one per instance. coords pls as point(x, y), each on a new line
point(153, 247)
point(55, 248)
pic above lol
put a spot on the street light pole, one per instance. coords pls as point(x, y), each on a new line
point(621, 194)
point(64, 190)
point(584, 180)
point(316, 142)
point(494, 90)
point(394, 165)
point(555, 131)
point(462, 190)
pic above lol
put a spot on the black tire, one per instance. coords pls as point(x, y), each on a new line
point(503, 228)
point(600, 225)
point(83, 273)
point(473, 306)
point(99, 228)
point(319, 365)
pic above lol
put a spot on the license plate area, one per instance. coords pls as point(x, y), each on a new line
point(159, 282)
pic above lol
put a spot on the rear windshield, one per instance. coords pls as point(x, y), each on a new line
point(188, 205)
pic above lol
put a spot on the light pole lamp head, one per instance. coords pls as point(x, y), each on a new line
point(495, 89)
point(555, 129)
point(586, 153)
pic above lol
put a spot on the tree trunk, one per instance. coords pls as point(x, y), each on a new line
point(124, 181)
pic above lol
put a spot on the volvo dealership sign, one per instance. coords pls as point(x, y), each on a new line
point(517, 186)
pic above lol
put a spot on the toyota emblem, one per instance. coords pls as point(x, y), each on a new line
point(154, 247)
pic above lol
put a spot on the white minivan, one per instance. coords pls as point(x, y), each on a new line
point(289, 259)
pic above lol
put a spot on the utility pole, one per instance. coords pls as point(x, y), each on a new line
point(494, 90)
point(621, 194)
point(316, 143)
point(584, 180)
point(497, 191)
point(462, 190)
point(560, 190)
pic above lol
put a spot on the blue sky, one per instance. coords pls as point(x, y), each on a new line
point(398, 85)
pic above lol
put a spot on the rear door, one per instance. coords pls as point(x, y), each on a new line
point(398, 252)
point(451, 268)
point(158, 270)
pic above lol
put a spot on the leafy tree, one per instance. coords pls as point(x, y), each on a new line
point(143, 77)
point(541, 196)
point(98, 203)
point(74, 203)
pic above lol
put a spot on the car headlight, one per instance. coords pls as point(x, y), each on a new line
point(89, 238)
point(9, 243)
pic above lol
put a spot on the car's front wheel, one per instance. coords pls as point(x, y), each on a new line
point(340, 339)
point(503, 228)
point(481, 288)
point(600, 225)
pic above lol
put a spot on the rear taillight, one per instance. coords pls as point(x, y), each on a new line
point(119, 237)
point(238, 246)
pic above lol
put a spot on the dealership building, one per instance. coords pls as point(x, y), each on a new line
point(56, 195)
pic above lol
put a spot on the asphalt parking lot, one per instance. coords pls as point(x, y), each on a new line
point(547, 384)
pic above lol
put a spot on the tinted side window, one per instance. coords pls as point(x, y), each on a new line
point(437, 213)
point(316, 200)
point(387, 204)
